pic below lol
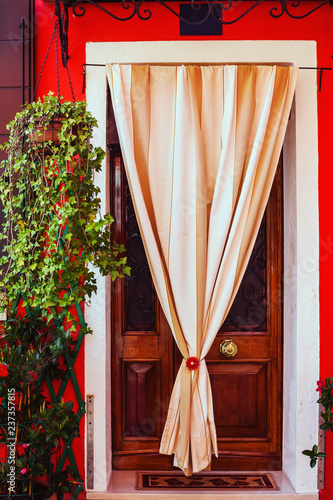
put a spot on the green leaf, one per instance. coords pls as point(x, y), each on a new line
point(307, 453)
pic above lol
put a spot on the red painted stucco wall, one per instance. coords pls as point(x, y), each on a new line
point(258, 25)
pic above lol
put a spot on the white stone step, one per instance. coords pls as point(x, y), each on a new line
point(123, 483)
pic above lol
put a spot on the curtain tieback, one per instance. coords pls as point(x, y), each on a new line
point(192, 363)
point(187, 384)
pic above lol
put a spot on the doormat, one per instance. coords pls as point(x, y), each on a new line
point(177, 480)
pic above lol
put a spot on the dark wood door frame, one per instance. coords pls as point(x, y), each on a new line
point(144, 365)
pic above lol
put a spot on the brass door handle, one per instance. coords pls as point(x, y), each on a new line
point(228, 348)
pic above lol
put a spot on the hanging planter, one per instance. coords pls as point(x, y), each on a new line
point(50, 132)
point(49, 123)
point(38, 126)
point(53, 226)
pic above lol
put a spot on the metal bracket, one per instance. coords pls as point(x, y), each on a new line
point(138, 7)
point(319, 69)
point(229, 12)
point(90, 442)
point(321, 448)
point(62, 15)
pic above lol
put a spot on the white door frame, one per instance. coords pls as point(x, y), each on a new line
point(301, 241)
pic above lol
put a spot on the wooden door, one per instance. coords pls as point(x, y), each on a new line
point(247, 388)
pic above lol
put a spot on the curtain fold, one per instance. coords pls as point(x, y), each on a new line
point(200, 146)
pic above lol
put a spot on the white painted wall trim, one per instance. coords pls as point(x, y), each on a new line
point(301, 241)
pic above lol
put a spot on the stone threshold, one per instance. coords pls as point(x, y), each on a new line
point(122, 487)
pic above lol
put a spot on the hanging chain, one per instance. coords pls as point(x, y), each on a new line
point(56, 56)
point(70, 83)
point(55, 37)
point(45, 59)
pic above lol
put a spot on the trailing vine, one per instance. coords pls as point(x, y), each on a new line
point(54, 234)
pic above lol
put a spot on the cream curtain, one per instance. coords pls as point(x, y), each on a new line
point(200, 145)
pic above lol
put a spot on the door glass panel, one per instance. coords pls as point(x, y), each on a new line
point(140, 291)
point(249, 309)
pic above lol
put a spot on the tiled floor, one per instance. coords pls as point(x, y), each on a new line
point(123, 484)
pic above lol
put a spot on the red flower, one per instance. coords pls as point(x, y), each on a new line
point(3, 370)
point(24, 471)
point(192, 363)
point(321, 386)
point(20, 448)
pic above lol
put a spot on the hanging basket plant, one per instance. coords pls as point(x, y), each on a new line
point(54, 232)
point(43, 133)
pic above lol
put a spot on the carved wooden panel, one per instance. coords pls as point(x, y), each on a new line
point(140, 394)
point(240, 398)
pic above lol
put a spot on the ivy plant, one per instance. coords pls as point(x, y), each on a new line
point(54, 234)
point(325, 390)
point(33, 427)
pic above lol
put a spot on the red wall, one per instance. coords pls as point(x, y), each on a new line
point(258, 25)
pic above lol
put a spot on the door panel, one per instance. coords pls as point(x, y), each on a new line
point(230, 380)
point(140, 392)
point(246, 389)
